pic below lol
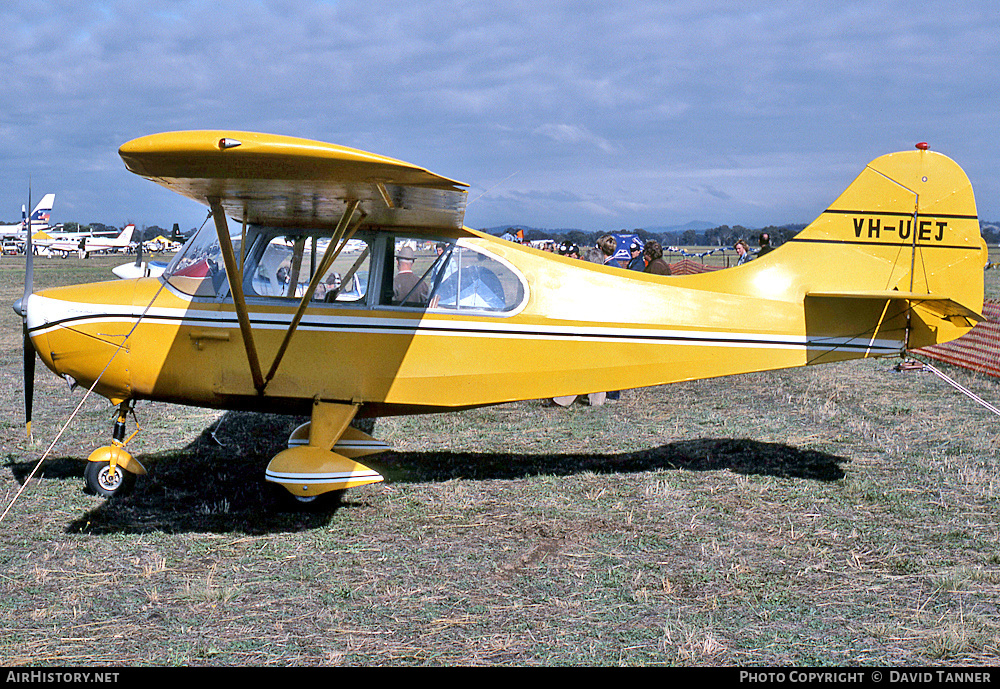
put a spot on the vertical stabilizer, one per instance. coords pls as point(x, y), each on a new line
point(906, 231)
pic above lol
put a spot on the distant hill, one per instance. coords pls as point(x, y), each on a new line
point(696, 225)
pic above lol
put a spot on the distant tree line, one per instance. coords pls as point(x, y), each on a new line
point(723, 235)
point(990, 232)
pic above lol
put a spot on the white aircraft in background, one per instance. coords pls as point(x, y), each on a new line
point(85, 244)
point(140, 268)
point(39, 219)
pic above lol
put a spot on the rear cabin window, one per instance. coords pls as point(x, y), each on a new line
point(447, 276)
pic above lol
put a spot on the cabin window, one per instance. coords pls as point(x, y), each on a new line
point(408, 271)
point(288, 264)
point(447, 276)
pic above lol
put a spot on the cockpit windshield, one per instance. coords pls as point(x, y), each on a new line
point(198, 268)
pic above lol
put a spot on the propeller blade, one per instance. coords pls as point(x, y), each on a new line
point(29, 348)
point(29, 379)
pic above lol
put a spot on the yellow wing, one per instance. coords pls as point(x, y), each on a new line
point(289, 182)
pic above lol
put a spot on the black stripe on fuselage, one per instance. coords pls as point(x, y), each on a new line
point(511, 332)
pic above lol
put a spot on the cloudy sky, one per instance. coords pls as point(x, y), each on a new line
point(592, 115)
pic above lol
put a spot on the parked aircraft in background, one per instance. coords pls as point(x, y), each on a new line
point(39, 220)
point(139, 268)
point(85, 244)
point(161, 244)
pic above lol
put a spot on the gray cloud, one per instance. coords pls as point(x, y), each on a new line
point(645, 113)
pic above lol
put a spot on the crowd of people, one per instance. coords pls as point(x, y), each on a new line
point(648, 257)
point(645, 258)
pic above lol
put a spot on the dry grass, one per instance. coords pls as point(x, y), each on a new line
point(839, 515)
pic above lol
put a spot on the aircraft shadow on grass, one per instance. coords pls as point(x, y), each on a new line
point(214, 484)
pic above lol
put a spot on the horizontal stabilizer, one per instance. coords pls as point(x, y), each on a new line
point(942, 307)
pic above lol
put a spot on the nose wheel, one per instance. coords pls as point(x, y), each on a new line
point(106, 480)
point(111, 470)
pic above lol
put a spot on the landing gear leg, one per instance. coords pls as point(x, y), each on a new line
point(111, 469)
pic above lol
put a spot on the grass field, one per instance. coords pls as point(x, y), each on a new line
point(838, 515)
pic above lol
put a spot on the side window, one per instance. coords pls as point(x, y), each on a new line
point(287, 265)
point(471, 280)
point(409, 271)
point(447, 276)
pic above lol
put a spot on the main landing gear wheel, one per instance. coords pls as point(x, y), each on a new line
point(284, 501)
point(101, 481)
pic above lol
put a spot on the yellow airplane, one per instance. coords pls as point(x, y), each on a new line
point(348, 287)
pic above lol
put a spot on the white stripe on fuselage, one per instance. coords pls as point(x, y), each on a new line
point(47, 314)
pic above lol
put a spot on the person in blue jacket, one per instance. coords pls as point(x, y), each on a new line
point(637, 262)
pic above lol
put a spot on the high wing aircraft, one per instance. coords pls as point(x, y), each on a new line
point(39, 220)
point(86, 244)
point(423, 314)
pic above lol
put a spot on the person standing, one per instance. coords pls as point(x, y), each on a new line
point(637, 261)
point(653, 253)
point(743, 251)
point(608, 247)
point(765, 243)
point(405, 285)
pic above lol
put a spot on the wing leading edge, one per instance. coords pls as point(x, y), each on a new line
point(284, 181)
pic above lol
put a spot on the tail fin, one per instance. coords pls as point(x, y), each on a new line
point(125, 237)
point(902, 242)
point(42, 213)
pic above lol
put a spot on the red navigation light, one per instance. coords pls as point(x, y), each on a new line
point(923, 146)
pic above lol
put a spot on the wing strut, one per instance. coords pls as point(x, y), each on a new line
point(236, 286)
point(344, 232)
